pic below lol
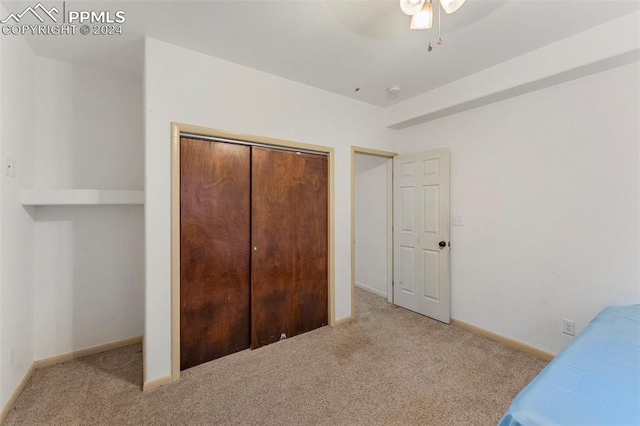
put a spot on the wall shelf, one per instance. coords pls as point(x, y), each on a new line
point(69, 197)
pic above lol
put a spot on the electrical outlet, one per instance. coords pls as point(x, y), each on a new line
point(11, 356)
point(569, 327)
point(457, 221)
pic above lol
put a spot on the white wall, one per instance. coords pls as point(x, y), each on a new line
point(547, 184)
point(3, 385)
point(371, 222)
point(188, 87)
point(3, 392)
point(89, 260)
point(605, 46)
point(90, 128)
point(17, 139)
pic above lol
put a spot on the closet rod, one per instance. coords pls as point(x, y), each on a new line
point(240, 142)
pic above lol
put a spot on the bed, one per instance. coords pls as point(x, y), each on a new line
point(595, 380)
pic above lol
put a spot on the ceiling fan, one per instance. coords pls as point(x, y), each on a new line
point(421, 12)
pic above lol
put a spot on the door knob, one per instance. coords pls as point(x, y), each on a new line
point(442, 244)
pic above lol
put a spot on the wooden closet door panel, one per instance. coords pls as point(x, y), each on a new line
point(289, 273)
point(215, 225)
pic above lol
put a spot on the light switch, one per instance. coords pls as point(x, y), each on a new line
point(457, 221)
point(13, 168)
point(7, 167)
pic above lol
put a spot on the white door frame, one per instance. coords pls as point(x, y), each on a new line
point(389, 155)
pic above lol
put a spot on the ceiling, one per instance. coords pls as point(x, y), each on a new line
point(334, 45)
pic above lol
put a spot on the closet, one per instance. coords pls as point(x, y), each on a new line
point(253, 246)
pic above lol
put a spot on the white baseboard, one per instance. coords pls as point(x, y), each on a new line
point(371, 290)
point(16, 393)
point(156, 383)
point(57, 359)
point(342, 321)
point(69, 356)
point(540, 353)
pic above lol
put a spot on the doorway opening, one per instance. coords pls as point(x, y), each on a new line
point(372, 228)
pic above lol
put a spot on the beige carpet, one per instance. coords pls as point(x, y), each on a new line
point(389, 366)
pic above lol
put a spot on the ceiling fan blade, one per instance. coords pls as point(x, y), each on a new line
point(411, 7)
point(451, 6)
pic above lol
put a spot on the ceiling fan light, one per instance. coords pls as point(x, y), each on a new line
point(411, 7)
point(451, 6)
point(423, 20)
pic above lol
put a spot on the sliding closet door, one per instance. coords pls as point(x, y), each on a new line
point(215, 181)
point(289, 278)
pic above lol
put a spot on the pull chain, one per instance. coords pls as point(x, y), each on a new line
point(439, 13)
point(430, 47)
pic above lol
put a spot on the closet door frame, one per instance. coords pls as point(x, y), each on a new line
point(176, 130)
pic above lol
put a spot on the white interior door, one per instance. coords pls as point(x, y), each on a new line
point(421, 233)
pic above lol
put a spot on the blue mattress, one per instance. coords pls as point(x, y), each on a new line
point(595, 380)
